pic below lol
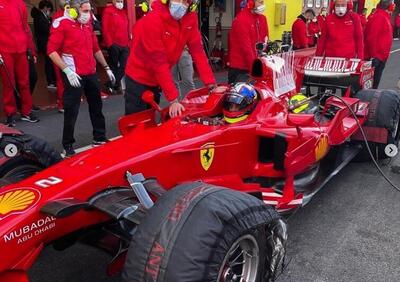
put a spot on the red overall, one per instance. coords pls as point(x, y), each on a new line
point(15, 40)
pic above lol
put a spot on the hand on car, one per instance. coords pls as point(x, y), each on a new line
point(176, 109)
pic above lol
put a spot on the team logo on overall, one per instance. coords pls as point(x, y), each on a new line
point(17, 201)
point(207, 155)
point(322, 147)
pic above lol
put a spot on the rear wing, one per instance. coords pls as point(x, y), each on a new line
point(335, 67)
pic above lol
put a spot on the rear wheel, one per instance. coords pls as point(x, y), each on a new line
point(384, 112)
point(200, 232)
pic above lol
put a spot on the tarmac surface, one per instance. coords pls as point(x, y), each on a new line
point(349, 231)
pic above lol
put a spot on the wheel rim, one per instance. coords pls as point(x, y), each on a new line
point(20, 172)
point(241, 262)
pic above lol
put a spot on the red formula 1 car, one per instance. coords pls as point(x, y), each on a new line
point(191, 198)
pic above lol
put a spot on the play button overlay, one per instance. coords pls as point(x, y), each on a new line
point(391, 150)
point(11, 150)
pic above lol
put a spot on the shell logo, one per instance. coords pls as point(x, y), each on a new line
point(17, 201)
point(322, 147)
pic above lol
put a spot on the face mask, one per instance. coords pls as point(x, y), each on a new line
point(259, 10)
point(119, 6)
point(323, 13)
point(340, 11)
point(177, 10)
point(84, 18)
point(48, 13)
point(314, 20)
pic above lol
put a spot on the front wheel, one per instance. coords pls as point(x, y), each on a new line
point(200, 232)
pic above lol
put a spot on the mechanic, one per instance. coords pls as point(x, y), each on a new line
point(73, 47)
point(116, 39)
point(378, 38)
point(313, 31)
point(16, 44)
point(158, 41)
point(42, 23)
point(59, 81)
point(248, 28)
point(322, 15)
point(363, 17)
point(240, 101)
point(299, 29)
point(342, 34)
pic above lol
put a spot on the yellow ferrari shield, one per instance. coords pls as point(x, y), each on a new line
point(322, 147)
point(207, 155)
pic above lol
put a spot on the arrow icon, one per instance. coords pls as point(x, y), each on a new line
point(11, 150)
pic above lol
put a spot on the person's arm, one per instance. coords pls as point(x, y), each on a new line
point(371, 36)
point(322, 40)
point(152, 51)
point(106, 28)
point(55, 43)
point(199, 57)
point(31, 44)
point(358, 37)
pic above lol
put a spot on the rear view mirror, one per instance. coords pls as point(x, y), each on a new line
point(148, 97)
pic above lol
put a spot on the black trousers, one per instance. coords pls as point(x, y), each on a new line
point(117, 57)
point(49, 70)
point(379, 67)
point(237, 75)
point(133, 96)
point(72, 99)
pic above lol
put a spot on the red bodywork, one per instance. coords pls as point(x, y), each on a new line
point(271, 143)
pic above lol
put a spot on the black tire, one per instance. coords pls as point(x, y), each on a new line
point(189, 231)
point(34, 155)
point(17, 169)
point(384, 112)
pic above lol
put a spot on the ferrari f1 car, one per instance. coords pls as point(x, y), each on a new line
point(194, 198)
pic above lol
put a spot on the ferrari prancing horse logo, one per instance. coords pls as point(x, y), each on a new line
point(207, 155)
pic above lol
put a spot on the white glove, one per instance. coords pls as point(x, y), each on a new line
point(1, 60)
point(73, 77)
point(110, 75)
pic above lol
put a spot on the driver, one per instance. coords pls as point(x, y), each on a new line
point(240, 101)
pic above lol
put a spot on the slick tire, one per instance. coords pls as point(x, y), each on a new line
point(195, 231)
point(384, 112)
point(34, 155)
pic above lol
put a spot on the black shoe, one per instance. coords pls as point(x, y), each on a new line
point(68, 151)
point(30, 118)
point(100, 142)
point(10, 121)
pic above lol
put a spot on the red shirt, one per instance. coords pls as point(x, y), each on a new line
point(313, 32)
point(341, 37)
point(76, 43)
point(299, 33)
point(247, 29)
point(115, 27)
point(158, 43)
point(378, 35)
point(15, 35)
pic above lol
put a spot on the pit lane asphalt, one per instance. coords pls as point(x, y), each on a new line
point(349, 231)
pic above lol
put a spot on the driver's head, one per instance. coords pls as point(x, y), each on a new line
point(239, 102)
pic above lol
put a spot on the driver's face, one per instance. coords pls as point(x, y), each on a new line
point(233, 107)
